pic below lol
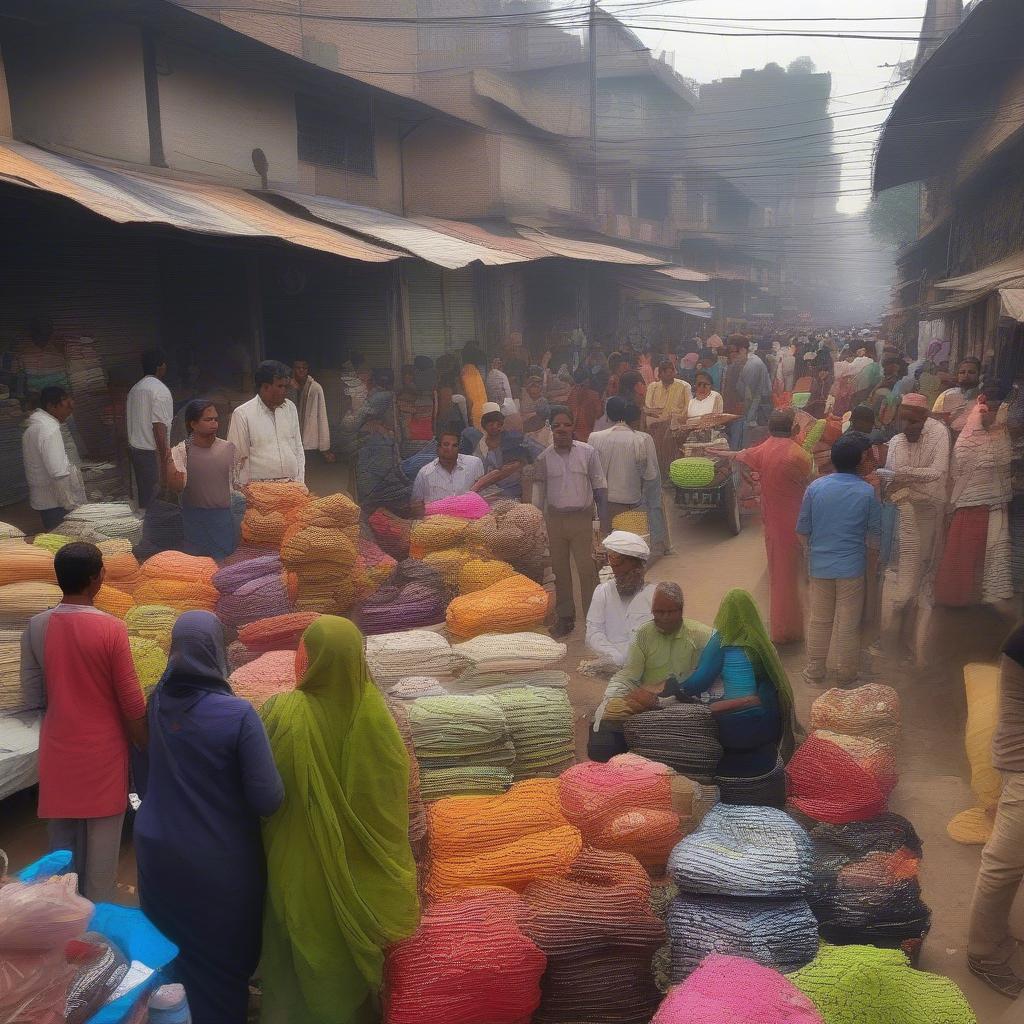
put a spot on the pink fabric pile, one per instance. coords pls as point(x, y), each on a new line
point(462, 506)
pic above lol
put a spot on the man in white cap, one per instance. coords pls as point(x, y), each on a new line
point(621, 605)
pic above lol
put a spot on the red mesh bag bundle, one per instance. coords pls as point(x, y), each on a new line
point(375, 563)
point(469, 963)
point(462, 506)
point(599, 937)
point(176, 565)
point(838, 779)
point(391, 532)
point(512, 605)
point(872, 711)
point(276, 633)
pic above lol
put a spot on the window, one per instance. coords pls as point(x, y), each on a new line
point(652, 201)
point(335, 134)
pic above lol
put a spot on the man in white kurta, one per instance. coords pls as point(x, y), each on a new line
point(312, 411)
point(621, 605)
point(54, 482)
point(265, 430)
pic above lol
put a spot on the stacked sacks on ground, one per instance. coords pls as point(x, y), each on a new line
point(100, 521)
point(414, 596)
point(324, 561)
point(113, 601)
point(866, 985)
point(632, 805)
point(512, 532)
point(470, 962)
point(508, 840)
point(480, 573)
point(20, 601)
point(512, 605)
point(516, 653)
point(872, 711)
point(270, 508)
point(24, 562)
point(177, 580)
point(743, 877)
point(596, 927)
point(250, 590)
point(540, 726)
point(275, 633)
point(738, 991)
point(866, 889)
point(436, 533)
point(684, 737)
point(394, 656)
point(28, 585)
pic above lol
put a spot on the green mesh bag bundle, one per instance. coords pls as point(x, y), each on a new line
point(866, 985)
point(540, 723)
point(814, 435)
point(692, 472)
point(469, 780)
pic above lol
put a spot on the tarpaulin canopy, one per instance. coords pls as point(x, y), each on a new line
point(1012, 300)
point(580, 249)
point(993, 276)
point(645, 286)
point(133, 197)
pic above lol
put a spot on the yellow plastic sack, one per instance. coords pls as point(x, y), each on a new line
point(974, 826)
point(513, 605)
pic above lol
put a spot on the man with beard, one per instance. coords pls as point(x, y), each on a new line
point(621, 605)
point(956, 404)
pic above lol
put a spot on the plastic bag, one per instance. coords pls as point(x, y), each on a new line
point(41, 917)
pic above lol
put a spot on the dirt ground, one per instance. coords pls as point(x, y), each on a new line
point(933, 768)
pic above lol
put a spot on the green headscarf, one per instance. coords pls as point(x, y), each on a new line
point(341, 880)
point(739, 625)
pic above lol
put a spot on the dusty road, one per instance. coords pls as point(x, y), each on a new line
point(933, 769)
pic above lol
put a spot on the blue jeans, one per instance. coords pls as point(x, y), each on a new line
point(735, 432)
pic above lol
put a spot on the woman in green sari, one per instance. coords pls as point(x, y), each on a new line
point(341, 878)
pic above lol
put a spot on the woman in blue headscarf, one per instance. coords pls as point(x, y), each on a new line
point(206, 780)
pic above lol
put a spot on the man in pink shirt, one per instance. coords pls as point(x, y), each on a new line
point(94, 708)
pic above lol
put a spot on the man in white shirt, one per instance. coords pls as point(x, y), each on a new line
point(499, 389)
point(312, 411)
point(150, 409)
point(54, 484)
point(448, 476)
point(621, 605)
point(956, 404)
point(265, 430)
point(628, 457)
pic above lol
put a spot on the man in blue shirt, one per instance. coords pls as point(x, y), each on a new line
point(839, 514)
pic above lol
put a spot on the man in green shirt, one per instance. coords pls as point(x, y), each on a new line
point(668, 646)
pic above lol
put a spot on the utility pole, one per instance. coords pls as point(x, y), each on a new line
point(592, 47)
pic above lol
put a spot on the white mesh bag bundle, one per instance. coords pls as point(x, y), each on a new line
point(416, 652)
point(511, 652)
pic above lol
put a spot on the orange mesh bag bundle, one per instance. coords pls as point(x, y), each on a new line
point(508, 840)
point(122, 572)
point(600, 938)
point(113, 602)
point(512, 605)
point(23, 562)
point(152, 622)
point(449, 564)
point(334, 512)
point(469, 962)
point(872, 711)
point(391, 532)
point(276, 496)
point(20, 601)
point(515, 533)
point(436, 533)
point(271, 673)
point(181, 594)
point(838, 779)
point(264, 529)
point(176, 565)
point(481, 573)
point(417, 812)
point(277, 633)
point(150, 661)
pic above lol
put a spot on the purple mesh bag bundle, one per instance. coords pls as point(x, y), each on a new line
point(258, 599)
point(229, 579)
point(392, 610)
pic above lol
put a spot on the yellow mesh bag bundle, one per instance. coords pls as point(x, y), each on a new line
point(335, 512)
point(633, 521)
point(176, 565)
point(113, 601)
point(263, 529)
point(481, 573)
point(325, 564)
point(115, 546)
point(152, 622)
point(513, 605)
point(449, 563)
point(52, 542)
point(150, 661)
point(181, 594)
point(973, 827)
point(872, 711)
point(20, 601)
point(259, 680)
point(22, 562)
point(276, 496)
point(435, 533)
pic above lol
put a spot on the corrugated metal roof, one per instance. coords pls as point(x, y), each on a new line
point(683, 274)
point(132, 197)
point(443, 249)
point(992, 276)
point(592, 251)
point(646, 286)
point(511, 244)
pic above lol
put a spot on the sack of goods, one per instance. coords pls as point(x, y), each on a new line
point(738, 991)
point(684, 737)
point(436, 533)
point(480, 573)
point(23, 562)
point(150, 661)
point(510, 652)
point(866, 888)
point(836, 778)
point(759, 852)
point(14, 697)
point(270, 674)
point(865, 985)
point(231, 578)
point(122, 572)
point(376, 565)
point(393, 656)
point(263, 598)
point(781, 934)
point(325, 563)
point(391, 532)
point(513, 532)
point(52, 542)
point(152, 622)
point(540, 724)
point(510, 606)
point(692, 472)
point(392, 608)
point(872, 711)
point(10, 534)
point(463, 506)
point(20, 601)
point(179, 581)
point(450, 562)
point(270, 509)
point(417, 812)
point(494, 682)
point(508, 840)
point(599, 934)
point(470, 962)
point(333, 512)
point(277, 633)
point(113, 601)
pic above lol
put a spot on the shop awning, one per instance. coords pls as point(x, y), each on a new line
point(580, 249)
point(508, 242)
point(682, 274)
point(443, 249)
point(1012, 302)
point(995, 275)
point(132, 197)
point(644, 286)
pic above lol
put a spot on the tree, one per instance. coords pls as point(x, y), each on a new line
point(895, 214)
point(803, 66)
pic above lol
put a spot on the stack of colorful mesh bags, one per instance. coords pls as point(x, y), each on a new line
point(113, 601)
point(865, 985)
point(733, 990)
point(176, 580)
point(462, 745)
point(152, 622)
point(275, 633)
point(324, 561)
point(684, 737)
point(513, 532)
point(270, 508)
point(508, 840)
point(121, 570)
point(10, 534)
point(15, 698)
point(516, 653)
point(540, 725)
point(251, 589)
point(418, 652)
point(417, 812)
point(415, 595)
point(269, 674)
point(53, 542)
point(102, 521)
point(512, 605)
point(743, 878)
point(28, 584)
point(872, 711)
point(866, 889)
point(475, 574)
point(599, 934)
point(374, 563)
point(470, 962)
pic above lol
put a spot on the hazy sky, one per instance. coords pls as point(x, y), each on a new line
point(861, 88)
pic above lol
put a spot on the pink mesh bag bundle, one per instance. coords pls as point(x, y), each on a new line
point(259, 680)
point(469, 963)
point(391, 532)
point(872, 711)
point(232, 577)
point(738, 991)
point(276, 633)
point(261, 598)
point(463, 506)
point(600, 935)
point(839, 779)
point(239, 655)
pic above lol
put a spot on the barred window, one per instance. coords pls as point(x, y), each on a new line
point(335, 134)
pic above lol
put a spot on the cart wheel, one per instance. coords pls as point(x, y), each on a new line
point(731, 508)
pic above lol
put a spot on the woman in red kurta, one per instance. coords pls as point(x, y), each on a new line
point(785, 470)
